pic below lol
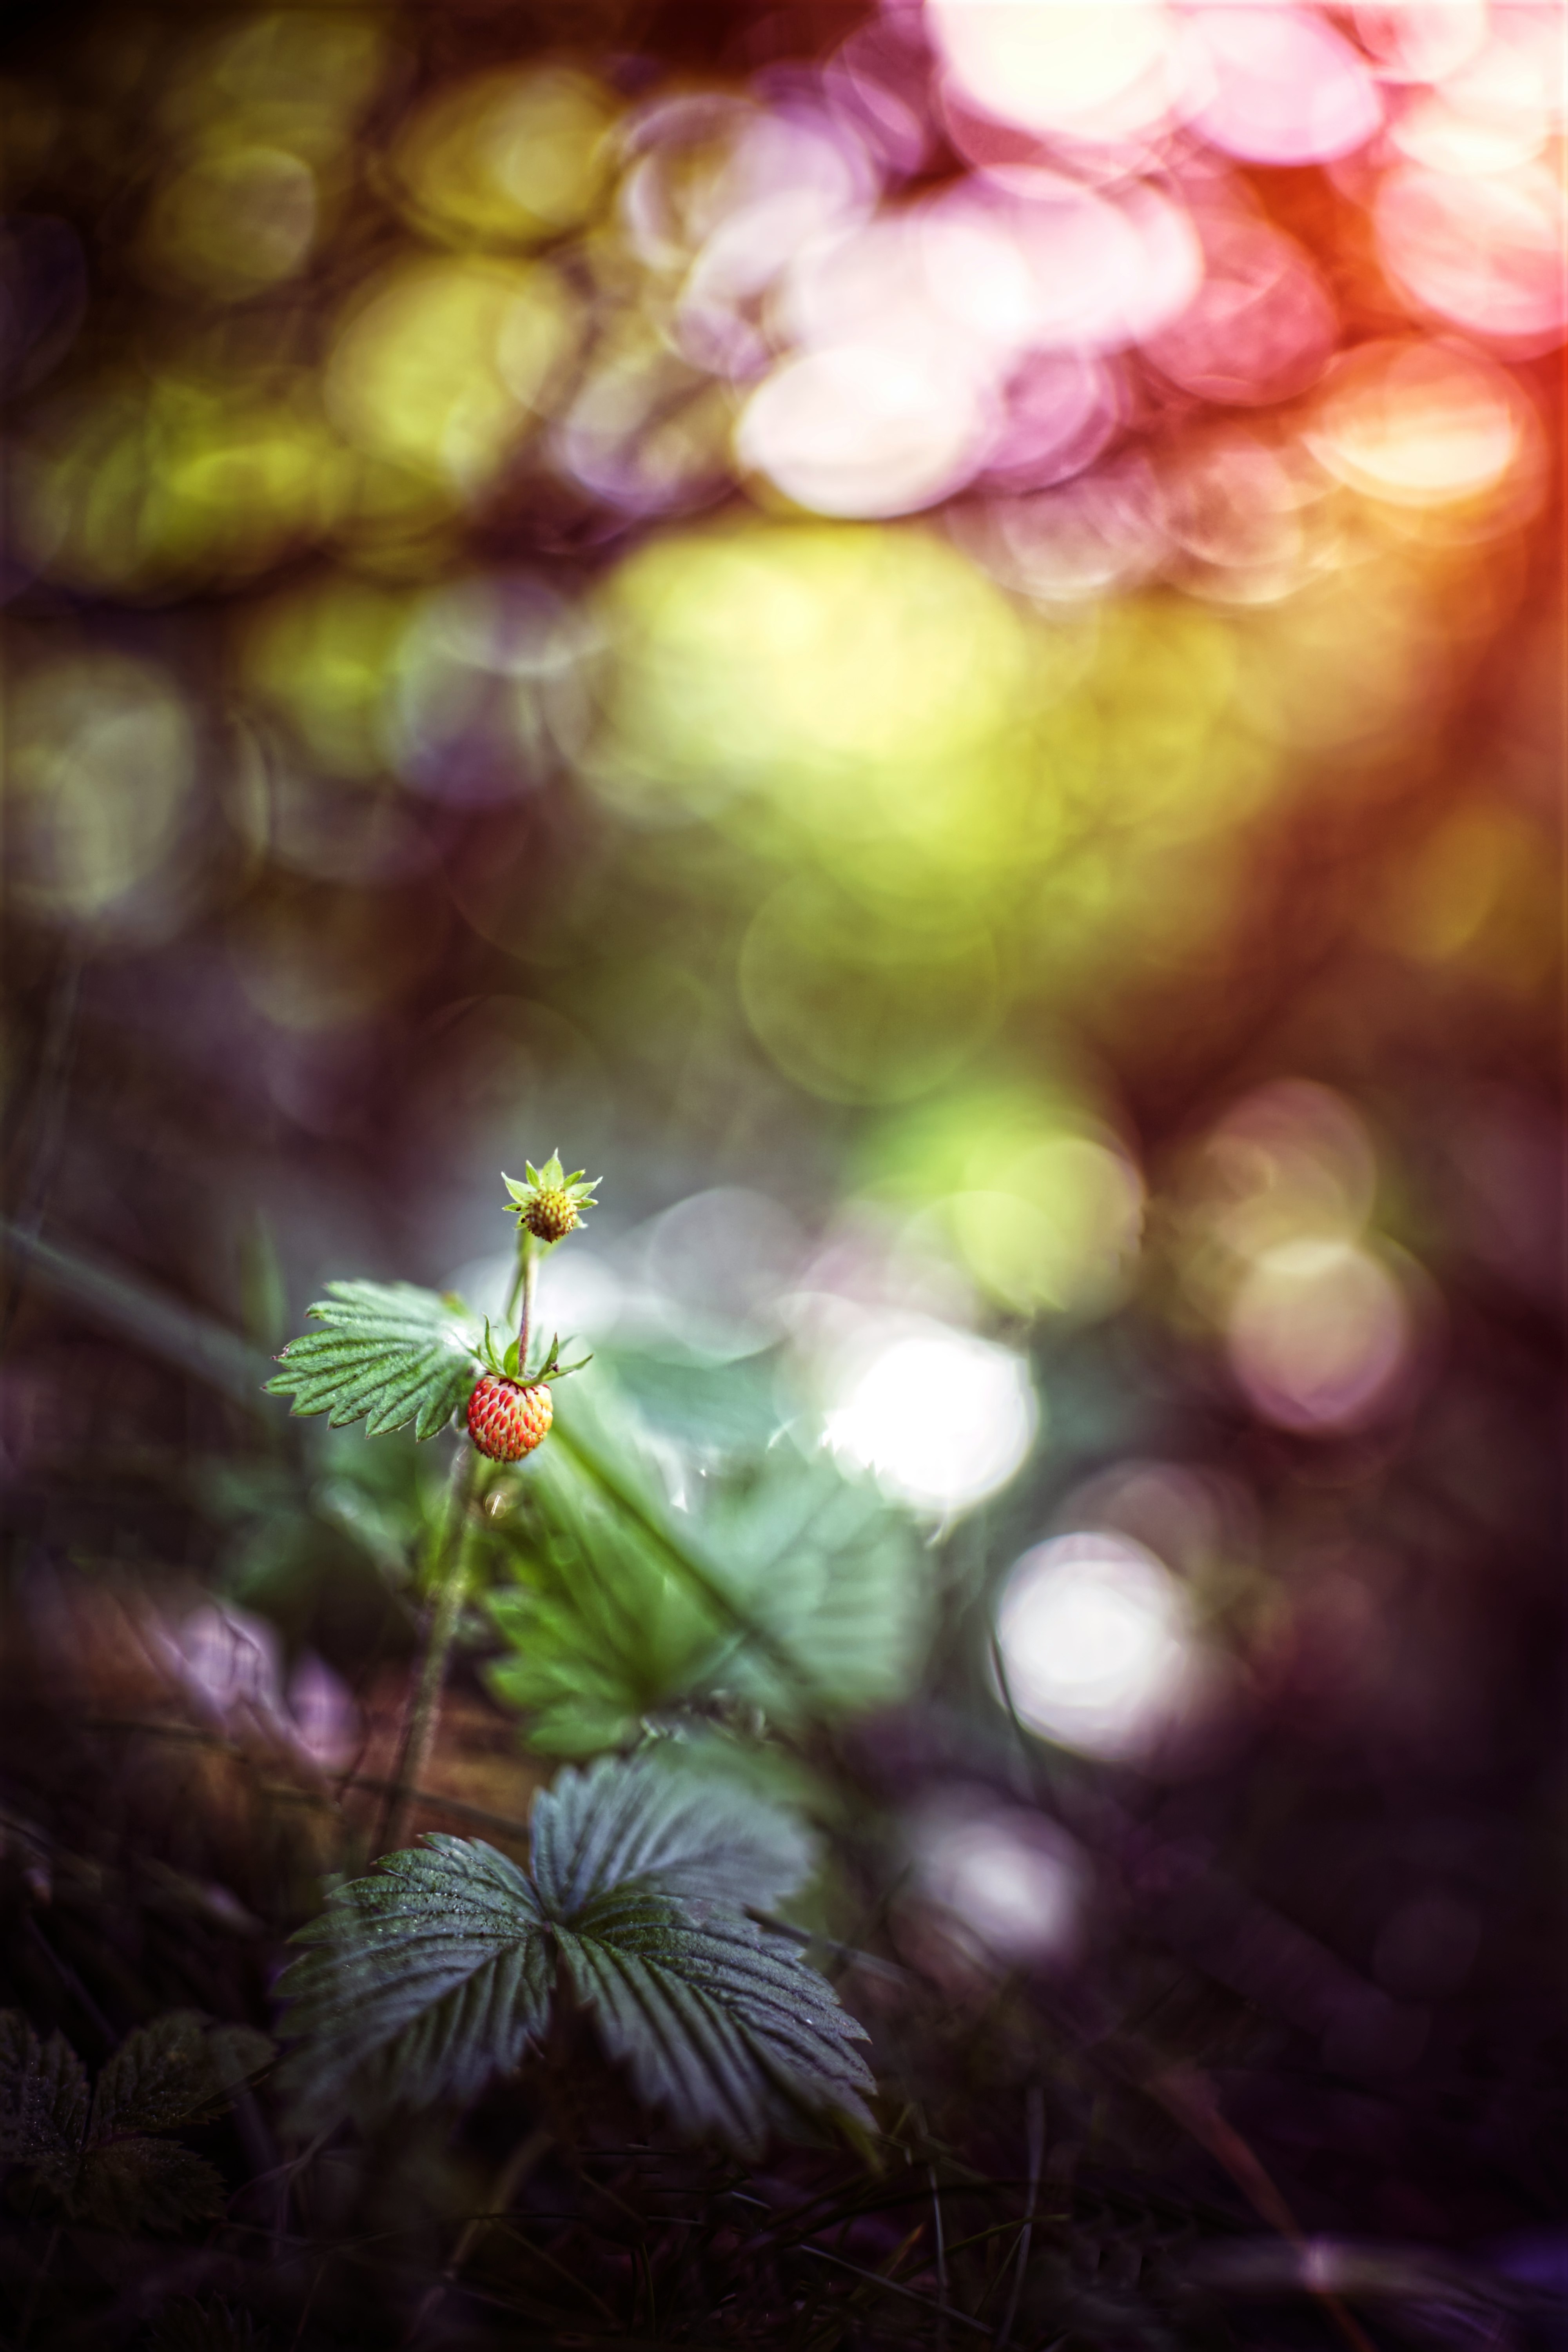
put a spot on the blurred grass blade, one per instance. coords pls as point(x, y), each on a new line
point(148, 1319)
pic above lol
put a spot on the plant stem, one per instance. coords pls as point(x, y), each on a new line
point(530, 1284)
point(423, 1712)
point(522, 2160)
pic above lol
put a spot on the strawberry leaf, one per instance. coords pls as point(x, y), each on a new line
point(43, 2101)
point(100, 2162)
point(390, 1354)
point(436, 1972)
point(700, 1841)
point(783, 1585)
point(428, 1978)
point(178, 2070)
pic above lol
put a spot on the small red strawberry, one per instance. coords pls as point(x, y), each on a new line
point(507, 1419)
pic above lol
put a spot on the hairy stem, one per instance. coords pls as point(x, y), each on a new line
point(424, 1711)
point(530, 1283)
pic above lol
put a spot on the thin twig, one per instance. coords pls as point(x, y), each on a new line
point(891, 2286)
point(1035, 2111)
point(1186, 2094)
point(941, 2262)
point(509, 2179)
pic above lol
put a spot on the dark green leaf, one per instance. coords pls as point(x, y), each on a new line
point(437, 1971)
point(718, 2022)
point(695, 1841)
point(435, 1966)
point(99, 2162)
point(43, 2099)
point(179, 2070)
point(390, 1354)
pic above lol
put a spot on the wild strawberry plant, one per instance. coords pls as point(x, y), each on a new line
point(442, 1968)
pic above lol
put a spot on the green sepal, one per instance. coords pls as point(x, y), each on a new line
point(550, 1177)
point(511, 1363)
point(553, 1368)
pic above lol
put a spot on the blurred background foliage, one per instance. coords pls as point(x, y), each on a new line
point(932, 637)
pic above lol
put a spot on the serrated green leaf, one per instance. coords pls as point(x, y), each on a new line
point(718, 2022)
point(436, 1972)
point(43, 2100)
point(698, 1842)
point(585, 1670)
point(181, 2069)
point(390, 1354)
point(97, 2160)
point(426, 1979)
point(145, 2184)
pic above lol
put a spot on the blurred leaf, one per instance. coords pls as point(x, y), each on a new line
point(100, 2164)
point(178, 2070)
point(43, 2100)
point(435, 1973)
point(612, 1639)
point(713, 1412)
point(836, 1577)
point(785, 1587)
point(390, 1354)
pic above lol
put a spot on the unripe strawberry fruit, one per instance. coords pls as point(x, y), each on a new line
point(508, 1420)
point(551, 1215)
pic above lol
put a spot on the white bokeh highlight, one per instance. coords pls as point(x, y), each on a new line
point(1277, 85)
point(1320, 1336)
point(1088, 70)
point(1096, 1644)
point(940, 1418)
point(1001, 1877)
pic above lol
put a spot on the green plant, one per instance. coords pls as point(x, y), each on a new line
point(438, 1972)
point(392, 1354)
